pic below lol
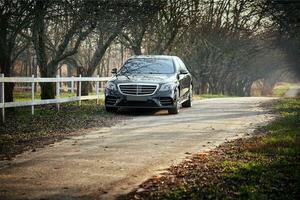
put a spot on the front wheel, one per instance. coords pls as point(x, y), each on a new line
point(175, 109)
point(188, 103)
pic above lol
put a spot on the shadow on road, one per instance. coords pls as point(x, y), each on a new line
point(141, 111)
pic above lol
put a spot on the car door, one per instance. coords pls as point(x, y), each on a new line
point(185, 78)
point(179, 76)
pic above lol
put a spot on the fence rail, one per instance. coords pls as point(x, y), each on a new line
point(34, 80)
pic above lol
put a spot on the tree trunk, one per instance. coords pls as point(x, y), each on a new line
point(5, 65)
point(240, 89)
point(96, 59)
point(5, 58)
point(137, 50)
point(85, 88)
point(248, 90)
point(203, 87)
point(47, 89)
point(267, 87)
point(8, 90)
point(39, 41)
point(269, 83)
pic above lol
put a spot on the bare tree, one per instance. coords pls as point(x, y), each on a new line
point(219, 40)
point(15, 17)
point(220, 45)
point(110, 24)
point(285, 25)
point(134, 32)
point(76, 22)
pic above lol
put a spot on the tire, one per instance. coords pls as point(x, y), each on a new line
point(189, 102)
point(111, 109)
point(175, 109)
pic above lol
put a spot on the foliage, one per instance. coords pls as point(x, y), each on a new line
point(280, 90)
point(285, 15)
point(225, 51)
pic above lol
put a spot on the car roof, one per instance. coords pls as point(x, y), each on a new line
point(154, 56)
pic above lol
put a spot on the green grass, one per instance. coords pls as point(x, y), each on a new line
point(26, 96)
point(262, 167)
point(280, 90)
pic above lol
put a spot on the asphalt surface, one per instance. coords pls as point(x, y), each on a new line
point(108, 162)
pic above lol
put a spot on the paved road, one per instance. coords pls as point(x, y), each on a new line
point(110, 161)
point(293, 91)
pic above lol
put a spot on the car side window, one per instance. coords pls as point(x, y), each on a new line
point(177, 64)
point(181, 65)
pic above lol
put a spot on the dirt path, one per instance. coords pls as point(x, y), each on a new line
point(111, 161)
point(293, 91)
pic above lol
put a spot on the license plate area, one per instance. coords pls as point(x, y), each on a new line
point(136, 98)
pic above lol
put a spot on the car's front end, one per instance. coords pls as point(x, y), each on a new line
point(140, 94)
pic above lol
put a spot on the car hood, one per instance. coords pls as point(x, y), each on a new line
point(144, 78)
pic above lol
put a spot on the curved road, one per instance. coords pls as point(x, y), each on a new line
point(110, 161)
point(293, 91)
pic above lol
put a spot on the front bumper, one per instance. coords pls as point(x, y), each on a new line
point(160, 99)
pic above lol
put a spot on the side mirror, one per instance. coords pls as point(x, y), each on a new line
point(114, 71)
point(183, 71)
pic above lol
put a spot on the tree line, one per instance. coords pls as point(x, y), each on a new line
point(226, 44)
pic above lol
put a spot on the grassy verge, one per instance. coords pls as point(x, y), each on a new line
point(261, 167)
point(280, 89)
point(26, 96)
point(22, 131)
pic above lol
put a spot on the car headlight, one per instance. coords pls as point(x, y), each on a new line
point(111, 86)
point(168, 87)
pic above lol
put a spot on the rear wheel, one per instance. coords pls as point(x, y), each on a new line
point(111, 109)
point(188, 103)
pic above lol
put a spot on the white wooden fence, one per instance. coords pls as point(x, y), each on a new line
point(34, 80)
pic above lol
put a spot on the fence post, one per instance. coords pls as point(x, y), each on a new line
point(2, 98)
point(97, 90)
point(32, 94)
point(72, 85)
point(57, 91)
point(79, 88)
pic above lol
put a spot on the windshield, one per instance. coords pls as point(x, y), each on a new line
point(148, 66)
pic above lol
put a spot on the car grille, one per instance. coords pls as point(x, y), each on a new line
point(138, 89)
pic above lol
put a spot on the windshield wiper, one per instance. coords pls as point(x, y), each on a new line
point(125, 74)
